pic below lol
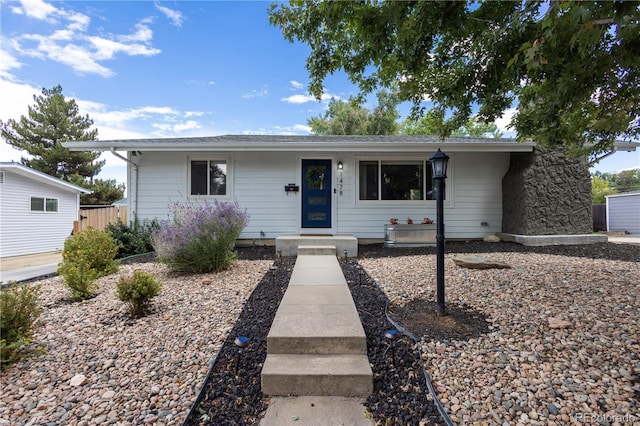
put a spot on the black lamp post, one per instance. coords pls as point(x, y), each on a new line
point(439, 162)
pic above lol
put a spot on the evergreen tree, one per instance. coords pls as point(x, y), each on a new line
point(51, 121)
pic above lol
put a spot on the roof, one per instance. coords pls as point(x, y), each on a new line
point(307, 143)
point(23, 170)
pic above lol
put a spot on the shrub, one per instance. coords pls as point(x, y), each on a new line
point(137, 291)
point(19, 313)
point(200, 238)
point(87, 256)
point(134, 238)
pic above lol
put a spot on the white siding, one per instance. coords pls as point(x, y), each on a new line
point(257, 180)
point(623, 213)
point(25, 232)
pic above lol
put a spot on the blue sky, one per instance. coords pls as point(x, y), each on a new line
point(144, 69)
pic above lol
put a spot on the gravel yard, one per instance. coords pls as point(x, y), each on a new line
point(92, 364)
point(523, 370)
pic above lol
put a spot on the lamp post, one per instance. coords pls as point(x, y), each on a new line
point(439, 162)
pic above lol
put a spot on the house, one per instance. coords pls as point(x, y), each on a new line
point(37, 212)
point(623, 212)
point(352, 185)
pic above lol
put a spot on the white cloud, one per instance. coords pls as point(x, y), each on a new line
point(256, 93)
point(503, 122)
point(302, 128)
point(71, 44)
point(175, 16)
point(7, 63)
point(301, 99)
point(296, 85)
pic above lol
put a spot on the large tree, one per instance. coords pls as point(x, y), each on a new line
point(432, 123)
point(570, 67)
point(49, 122)
point(351, 118)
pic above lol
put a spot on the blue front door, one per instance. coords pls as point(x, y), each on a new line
point(316, 193)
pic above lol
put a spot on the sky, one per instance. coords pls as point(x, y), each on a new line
point(152, 69)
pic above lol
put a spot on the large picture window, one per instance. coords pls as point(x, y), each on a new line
point(42, 204)
point(395, 180)
point(209, 177)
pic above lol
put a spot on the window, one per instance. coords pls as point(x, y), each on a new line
point(209, 177)
point(40, 204)
point(395, 180)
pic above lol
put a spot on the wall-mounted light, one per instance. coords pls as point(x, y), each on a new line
point(340, 165)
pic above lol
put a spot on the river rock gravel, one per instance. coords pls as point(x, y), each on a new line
point(562, 345)
point(558, 342)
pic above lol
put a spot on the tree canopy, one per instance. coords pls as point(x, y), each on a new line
point(351, 118)
point(51, 121)
point(570, 67)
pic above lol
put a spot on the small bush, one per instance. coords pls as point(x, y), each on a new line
point(137, 291)
point(134, 238)
point(200, 238)
point(87, 256)
point(19, 313)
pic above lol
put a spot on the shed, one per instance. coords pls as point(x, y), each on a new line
point(623, 212)
point(37, 212)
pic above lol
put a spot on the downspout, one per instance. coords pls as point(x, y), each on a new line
point(134, 199)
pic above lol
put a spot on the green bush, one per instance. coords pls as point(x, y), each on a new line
point(134, 238)
point(19, 313)
point(137, 291)
point(87, 256)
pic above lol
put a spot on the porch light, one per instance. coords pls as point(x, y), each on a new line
point(439, 162)
point(340, 166)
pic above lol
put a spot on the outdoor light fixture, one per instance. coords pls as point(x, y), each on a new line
point(346, 252)
point(360, 274)
point(391, 336)
point(279, 254)
point(241, 342)
point(273, 270)
point(340, 165)
point(439, 162)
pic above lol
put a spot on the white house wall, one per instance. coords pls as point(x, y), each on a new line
point(623, 213)
point(24, 232)
point(257, 180)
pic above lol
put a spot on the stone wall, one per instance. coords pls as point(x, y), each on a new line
point(546, 192)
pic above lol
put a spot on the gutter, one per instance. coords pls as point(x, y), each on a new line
point(134, 199)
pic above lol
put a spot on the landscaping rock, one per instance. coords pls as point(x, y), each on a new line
point(478, 262)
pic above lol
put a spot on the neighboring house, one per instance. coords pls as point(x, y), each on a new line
point(37, 212)
point(353, 184)
point(623, 212)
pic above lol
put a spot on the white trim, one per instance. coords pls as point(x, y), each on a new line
point(25, 171)
point(624, 194)
point(44, 199)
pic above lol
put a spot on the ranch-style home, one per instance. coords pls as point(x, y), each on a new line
point(37, 212)
point(353, 185)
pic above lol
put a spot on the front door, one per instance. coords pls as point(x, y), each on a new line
point(316, 193)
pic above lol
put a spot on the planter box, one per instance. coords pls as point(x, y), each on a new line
point(416, 235)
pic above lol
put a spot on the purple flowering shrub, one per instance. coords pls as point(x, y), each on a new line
point(200, 237)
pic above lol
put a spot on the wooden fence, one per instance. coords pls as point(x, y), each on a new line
point(99, 217)
point(599, 212)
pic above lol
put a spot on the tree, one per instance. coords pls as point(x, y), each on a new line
point(432, 122)
point(571, 66)
point(351, 118)
point(51, 121)
point(600, 189)
point(624, 181)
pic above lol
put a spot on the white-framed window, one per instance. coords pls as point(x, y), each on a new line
point(209, 177)
point(395, 180)
point(44, 204)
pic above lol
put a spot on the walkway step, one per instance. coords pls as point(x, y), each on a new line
point(316, 250)
point(320, 375)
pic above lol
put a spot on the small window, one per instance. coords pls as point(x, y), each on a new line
point(209, 177)
point(40, 204)
point(405, 180)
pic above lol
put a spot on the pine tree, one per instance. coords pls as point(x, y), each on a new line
point(51, 121)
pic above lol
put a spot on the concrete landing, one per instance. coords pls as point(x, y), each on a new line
point(316, 411)
point(287, 245)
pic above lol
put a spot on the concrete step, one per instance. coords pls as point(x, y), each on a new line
point(320, 375)
point(287, 245)
point(316, 250)
point(317, 319)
